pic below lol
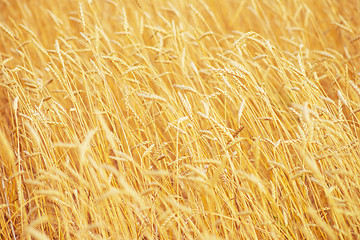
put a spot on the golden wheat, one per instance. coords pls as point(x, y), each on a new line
point(179, 119)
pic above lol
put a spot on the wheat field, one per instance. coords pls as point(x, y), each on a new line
point(179, 119)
